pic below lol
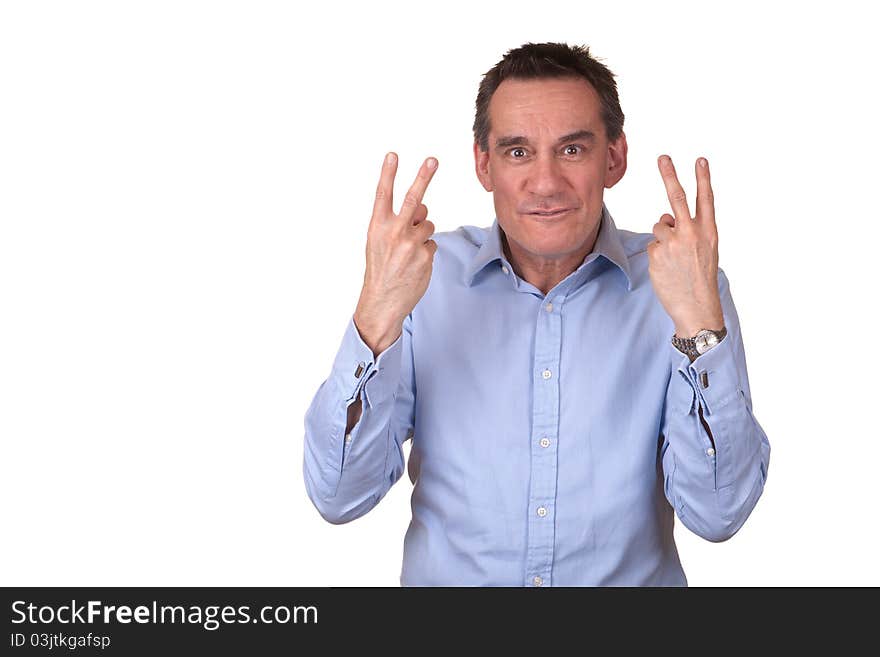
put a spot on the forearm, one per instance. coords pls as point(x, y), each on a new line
point(716, 463)
point(707, 428)
point(716, 455)
point(348, 428)
point(354, 414)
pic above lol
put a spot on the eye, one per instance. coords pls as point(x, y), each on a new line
point(577, 149)
point(514, 150)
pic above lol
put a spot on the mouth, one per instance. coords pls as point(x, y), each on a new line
point(550, 214)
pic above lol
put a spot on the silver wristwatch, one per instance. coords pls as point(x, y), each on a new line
point(702, 342)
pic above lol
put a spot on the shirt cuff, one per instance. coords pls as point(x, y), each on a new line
point(712, 378)
point(355, 368)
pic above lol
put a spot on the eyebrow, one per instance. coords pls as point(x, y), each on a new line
point(519, 139)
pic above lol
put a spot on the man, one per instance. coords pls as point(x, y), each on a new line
point(568, 387)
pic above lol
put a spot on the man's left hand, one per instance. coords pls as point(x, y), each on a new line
point(683, 262)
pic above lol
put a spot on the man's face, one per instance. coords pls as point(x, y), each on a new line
point(548, 151)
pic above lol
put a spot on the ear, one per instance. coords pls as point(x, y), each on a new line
point(481, 164)
point(616, 161)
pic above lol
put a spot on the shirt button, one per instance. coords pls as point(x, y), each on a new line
point(549, 307)
point(537, 581)
point(359, 369)
point(505, 269)
point(545, 442)
point(710, 452)
point(348, 437)
point(542, 511)
point(546, 374)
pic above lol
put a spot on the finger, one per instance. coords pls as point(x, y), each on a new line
point(420, 214)
point(674, 191)
point(668, 219)
point(415, 193)
point(424, 230)
point(662, 232)
point(385, 189)
point(705, 197)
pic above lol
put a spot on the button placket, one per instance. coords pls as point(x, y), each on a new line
point(711, 456)
point(545, 426)
point(346, 444)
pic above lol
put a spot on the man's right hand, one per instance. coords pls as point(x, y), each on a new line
point(400, 258)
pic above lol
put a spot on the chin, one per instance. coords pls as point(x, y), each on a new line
point(551, 235)
point(549, 244)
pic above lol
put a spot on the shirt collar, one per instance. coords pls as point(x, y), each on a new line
point(608, 244)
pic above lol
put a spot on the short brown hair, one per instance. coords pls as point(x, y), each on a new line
point(550, 60)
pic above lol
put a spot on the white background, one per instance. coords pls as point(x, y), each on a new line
point(185, 189)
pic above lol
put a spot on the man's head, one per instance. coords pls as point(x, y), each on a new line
point(548, 134)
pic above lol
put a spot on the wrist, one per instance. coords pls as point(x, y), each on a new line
point(378, 336)
point(689, 329)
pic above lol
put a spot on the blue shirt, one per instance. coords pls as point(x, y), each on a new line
point(554, 437)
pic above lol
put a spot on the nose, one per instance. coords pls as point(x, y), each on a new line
point(545, 177)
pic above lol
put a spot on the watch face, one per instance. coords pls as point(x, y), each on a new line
point(705, 340)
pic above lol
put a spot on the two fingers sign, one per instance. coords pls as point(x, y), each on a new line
point(399, 257)
point(412, 210)
point(682, 221)
point(683, 262)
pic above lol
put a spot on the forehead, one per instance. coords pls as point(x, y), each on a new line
point(556, 105)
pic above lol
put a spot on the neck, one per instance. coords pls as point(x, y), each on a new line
point(546, 273)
